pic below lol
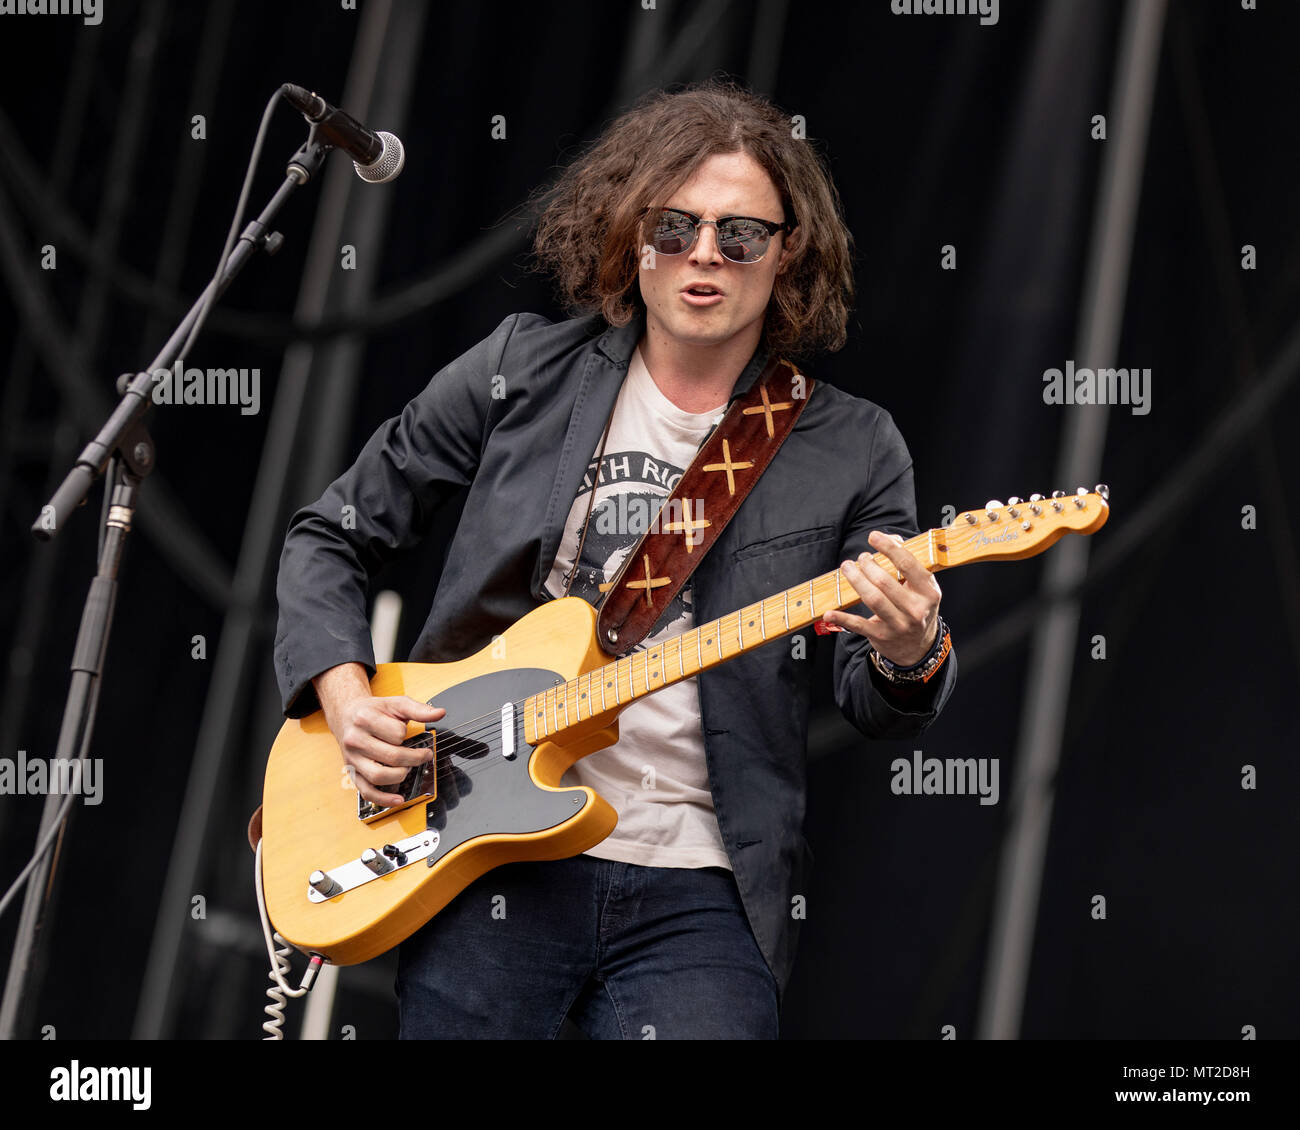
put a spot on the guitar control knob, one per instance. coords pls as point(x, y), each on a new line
point(376, 862)
point(322, 884)
point(396, 854)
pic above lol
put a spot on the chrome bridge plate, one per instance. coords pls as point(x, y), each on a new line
point(421, 783)
point(354, 873)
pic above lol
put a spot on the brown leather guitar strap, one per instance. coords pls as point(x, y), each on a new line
point(703, 502)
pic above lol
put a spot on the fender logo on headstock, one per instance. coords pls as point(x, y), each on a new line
point(1005, 535)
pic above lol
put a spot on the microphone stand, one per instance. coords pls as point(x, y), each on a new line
point(125, 448)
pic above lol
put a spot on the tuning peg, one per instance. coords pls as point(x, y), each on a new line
point(991, 509)
point(1103, 490)
point(970, 518)
point(1013, 501)
point(1058, 494)
point(1035, 498)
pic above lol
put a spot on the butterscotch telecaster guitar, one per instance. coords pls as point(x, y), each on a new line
point(348, 881)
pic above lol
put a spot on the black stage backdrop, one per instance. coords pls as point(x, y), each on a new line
point(942, 131)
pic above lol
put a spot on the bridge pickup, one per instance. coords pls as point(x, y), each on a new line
point(420, 784)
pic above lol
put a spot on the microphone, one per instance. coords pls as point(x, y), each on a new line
point(377, 157)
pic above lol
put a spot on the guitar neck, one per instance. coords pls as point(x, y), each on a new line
point(678, 658)
point(993, 533)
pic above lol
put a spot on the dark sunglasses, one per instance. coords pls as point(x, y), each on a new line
point(742, 239)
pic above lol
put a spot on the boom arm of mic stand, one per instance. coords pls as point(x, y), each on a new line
point(135, 401)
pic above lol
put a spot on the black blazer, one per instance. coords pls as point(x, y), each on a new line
point(515, 421)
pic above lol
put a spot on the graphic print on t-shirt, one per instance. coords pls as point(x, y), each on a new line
point(630, 491)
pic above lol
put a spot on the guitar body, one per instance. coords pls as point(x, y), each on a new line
point(488, 808)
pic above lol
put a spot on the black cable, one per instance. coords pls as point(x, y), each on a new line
point(57, 825)
point(232, 236)
point(43, 207)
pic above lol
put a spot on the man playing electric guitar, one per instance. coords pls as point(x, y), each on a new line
point(696, 239)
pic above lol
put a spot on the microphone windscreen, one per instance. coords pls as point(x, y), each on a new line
point(387, 165)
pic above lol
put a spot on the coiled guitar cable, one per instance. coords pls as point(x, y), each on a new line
point(279, 957)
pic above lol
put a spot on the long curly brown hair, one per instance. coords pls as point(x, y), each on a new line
point(589, 231)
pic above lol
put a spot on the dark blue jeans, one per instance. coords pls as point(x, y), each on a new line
point(626, 952)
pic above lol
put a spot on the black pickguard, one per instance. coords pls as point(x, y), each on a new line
point(479, 790)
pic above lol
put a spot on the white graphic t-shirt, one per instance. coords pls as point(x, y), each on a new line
point(655, 775)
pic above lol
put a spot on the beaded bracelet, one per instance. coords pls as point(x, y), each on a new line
point(922, 671)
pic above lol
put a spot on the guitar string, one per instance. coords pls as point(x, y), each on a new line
point(443, 755)
point(464, 738)
point(723, 622)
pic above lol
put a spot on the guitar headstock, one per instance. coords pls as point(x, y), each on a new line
point(1015, 529)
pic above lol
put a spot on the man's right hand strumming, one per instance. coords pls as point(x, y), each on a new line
point(370, 730)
